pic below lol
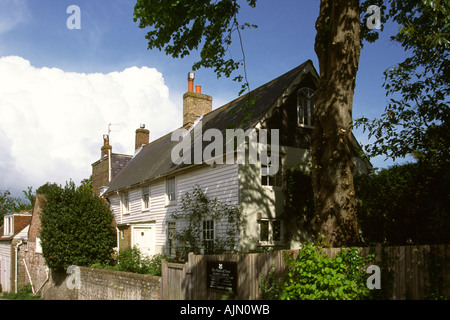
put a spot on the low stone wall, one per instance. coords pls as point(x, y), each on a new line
point(98, 284)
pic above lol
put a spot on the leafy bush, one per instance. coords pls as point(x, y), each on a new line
point(405, 204)
point(131, 260)
point(76, 228)
point(270, 287)
point(315, 276)
point(312, 275)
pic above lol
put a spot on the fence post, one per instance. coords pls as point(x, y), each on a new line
point(189, 276)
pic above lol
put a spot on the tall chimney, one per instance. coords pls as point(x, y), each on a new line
point(142, 137)
point(106, 146)
point(195, 104)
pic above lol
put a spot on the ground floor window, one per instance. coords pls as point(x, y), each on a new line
point(171, 229)
point(208, 235)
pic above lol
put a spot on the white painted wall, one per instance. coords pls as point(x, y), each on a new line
point(219, 182)
point(5, 267)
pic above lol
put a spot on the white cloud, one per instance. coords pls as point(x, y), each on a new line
point(52, 122)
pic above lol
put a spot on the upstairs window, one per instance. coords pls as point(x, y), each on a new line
point(8, 226)
point(275, 180)
point(305, 107)
point(170, 190)
point(145, 198)
point(125, 203)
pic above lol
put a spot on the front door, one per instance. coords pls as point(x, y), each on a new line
point(144, 239)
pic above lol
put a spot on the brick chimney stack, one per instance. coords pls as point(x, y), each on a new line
point(106, 148)
point(194, 103)
point(142, 137)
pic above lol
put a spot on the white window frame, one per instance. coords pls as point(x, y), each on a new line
point(278, 177)
point(206, 233)
point(270, 232)
point(125, 203)
point(171, 245)
point(306, 95)
point(8, 225)
point(171, 190)
point(146, 191)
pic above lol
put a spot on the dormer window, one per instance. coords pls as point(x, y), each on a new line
point(8, 225)
point(305, 107)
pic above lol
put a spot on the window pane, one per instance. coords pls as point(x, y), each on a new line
point(271, 180)
point(146, 197)
point(300, 112)
point(264, 231)
point(146, 201)
point(276, 230)
point(171, 230)
point(306, 106)
point(264, 180)
point(208, 236)
point(125, 203)
point(171, 189)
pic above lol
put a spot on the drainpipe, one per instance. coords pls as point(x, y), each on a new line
point(16, 258)
point(118, 239)
point(109, 166)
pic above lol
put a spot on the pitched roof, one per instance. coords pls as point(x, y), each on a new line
point(154, 159)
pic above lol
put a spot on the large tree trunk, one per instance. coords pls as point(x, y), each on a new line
point(338, 49)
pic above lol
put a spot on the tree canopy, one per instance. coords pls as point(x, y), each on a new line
point(181, 26)
point(416, 119)
point(9, 203)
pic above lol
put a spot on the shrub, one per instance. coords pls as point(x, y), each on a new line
point(131, 260)
point(312, 275)
point(315, 276)
point(76, 228)
point(405, 204)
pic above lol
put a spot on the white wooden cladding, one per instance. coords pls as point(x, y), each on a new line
point(219, 182)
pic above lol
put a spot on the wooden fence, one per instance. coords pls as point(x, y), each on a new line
point(407, 272)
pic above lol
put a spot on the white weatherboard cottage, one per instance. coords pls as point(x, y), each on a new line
point(145, 193)
point(13, 234)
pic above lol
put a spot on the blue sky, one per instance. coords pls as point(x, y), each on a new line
point(60, 87)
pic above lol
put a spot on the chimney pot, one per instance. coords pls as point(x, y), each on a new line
point(198, 88)
point(106, 147)
point(191, 77)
